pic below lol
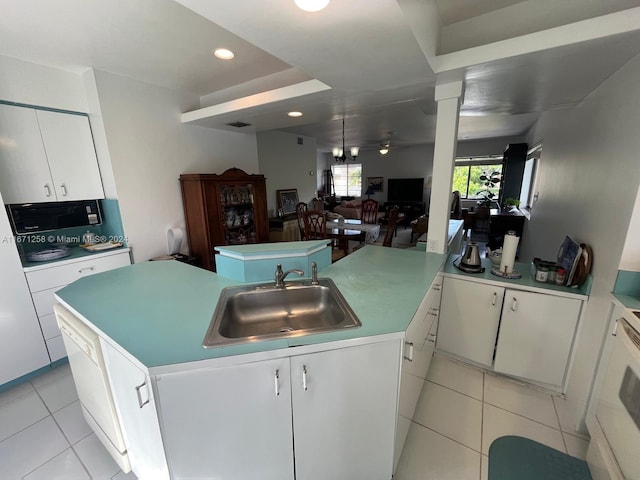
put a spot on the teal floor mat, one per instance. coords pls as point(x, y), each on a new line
point(518, 458)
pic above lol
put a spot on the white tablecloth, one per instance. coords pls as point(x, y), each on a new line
point(372, 231)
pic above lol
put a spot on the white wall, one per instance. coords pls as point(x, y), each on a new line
point(588, 179)
point(149, 149)
point(631, 254)
point(286, 164)
point(38, 85)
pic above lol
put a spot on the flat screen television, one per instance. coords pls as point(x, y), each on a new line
point(405, 189)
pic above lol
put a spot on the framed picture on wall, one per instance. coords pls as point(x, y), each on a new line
point(287, 200)
point(374, 184)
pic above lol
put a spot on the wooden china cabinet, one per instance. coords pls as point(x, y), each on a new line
point(225, 209)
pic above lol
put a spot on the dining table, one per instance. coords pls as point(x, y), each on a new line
point(345, 229)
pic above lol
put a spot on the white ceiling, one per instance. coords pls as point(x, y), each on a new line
point(371, 61)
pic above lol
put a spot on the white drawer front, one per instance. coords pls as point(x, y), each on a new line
point(44, 301)
point(61, 275)
point(49, 326)
point(56, 348)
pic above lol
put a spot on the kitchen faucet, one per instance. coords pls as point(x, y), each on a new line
point(280, 275)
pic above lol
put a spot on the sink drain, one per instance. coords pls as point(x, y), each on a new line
point(286, 329)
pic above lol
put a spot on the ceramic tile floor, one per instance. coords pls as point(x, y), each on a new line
point(43, 435)
point(461, 410)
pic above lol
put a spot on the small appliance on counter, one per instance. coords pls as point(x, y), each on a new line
point(469, 261)
point(43, 217)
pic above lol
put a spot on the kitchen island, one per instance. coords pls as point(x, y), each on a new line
point(189, 411)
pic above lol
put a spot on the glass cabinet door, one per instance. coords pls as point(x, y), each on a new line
point(237, 205)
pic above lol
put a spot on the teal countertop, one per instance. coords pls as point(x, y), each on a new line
point(160, 311)
point(630, 302)
point(526, 281)
point(264, 250)
point(75, 253)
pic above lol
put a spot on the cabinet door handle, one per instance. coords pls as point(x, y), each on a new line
point(276, 378)
point(140, 402)
point(431, 338)
point(410, 356)
point(437, 287)
point(495, 299)
point(514, 304)
point(614, 332)
point(64, 190)
point(86, 269)
point(47, 191)
point(304, 377)
point(433, 311)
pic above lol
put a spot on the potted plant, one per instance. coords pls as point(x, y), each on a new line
point(489, 181)
point(510, 203)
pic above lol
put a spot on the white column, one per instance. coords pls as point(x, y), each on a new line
point(449, 97)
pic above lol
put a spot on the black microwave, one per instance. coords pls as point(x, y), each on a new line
point(42, 217)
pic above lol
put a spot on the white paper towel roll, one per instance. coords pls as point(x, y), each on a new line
point(174, 240)
point(509, 248)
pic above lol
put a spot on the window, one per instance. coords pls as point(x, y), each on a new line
point(347, 179)
point(467, 173)
point(528, 193)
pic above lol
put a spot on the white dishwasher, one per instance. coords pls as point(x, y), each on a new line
point(90, 377)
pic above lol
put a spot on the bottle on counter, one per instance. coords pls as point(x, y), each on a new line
point(542, 273)
point(553, 272)
point(561, 274)
point(89, 238)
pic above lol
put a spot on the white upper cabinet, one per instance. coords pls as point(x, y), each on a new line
point(72, 157)
point(46, 157)
point(24, 171)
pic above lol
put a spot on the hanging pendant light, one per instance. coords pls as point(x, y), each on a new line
point(340, 153)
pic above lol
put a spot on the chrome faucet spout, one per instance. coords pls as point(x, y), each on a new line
point(280, 275)
point(314, 273)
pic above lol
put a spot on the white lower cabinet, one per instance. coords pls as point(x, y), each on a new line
point(536, 335)
point(516, 332)
point(229, 422)
point(330, 414)
point(44, 281)
point(469, 318)
point(418, 350)
point(344, 413)
point(136, 406)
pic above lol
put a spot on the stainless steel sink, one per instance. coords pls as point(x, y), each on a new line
point(249, 313)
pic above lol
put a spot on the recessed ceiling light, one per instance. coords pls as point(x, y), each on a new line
point(311, 5)
point(295, 114)
point(223, 53)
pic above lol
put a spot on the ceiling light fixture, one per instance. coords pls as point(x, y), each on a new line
point(384, 148)
point(340, 153)
point(223, 53)
point(311, 5)
point(295, 114)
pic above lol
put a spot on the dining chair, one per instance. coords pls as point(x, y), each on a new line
point(315, 228)
point(369, 211)
point(456, 209)
point(391, 227)
point(300, 209)
point(317, 204)
point(315, 224)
